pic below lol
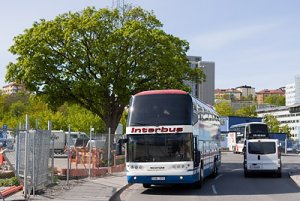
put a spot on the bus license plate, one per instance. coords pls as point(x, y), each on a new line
point(158, 178)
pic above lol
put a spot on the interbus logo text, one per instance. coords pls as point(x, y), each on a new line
point(157, 130)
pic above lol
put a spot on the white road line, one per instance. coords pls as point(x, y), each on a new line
point(214, 189)
point(218, 176)
point(234, 170)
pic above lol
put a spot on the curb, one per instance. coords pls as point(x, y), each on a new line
point(117, 193)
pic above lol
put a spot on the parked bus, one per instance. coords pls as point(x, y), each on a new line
point(251, 130)
point(172, 138)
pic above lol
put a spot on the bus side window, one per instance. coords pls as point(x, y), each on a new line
point(201, 146)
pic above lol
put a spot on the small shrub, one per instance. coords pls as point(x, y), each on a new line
point(10, 182)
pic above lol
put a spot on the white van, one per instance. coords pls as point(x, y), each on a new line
point(262, 155)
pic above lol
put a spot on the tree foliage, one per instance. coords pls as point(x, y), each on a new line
point(275, 100)
point(99, 58)
point(272, 122)
point(249, 111)
point(274, 125)
point(224, 109)
point(17, 106)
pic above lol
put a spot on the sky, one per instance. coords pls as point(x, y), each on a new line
point(252, 42)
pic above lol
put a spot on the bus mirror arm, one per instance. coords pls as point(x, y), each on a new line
point(122, 141)
point(119, 146)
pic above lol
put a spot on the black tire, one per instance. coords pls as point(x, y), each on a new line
point(199, 183)
point(246, 173)
point(279, 174)
point(146, 185)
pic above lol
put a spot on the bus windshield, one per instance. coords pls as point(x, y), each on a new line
point(258, 128)
point(160, 109)
point(159, 147)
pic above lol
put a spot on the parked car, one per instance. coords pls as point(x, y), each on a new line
point(296, 148)
point(98, 144)
point(81, 142)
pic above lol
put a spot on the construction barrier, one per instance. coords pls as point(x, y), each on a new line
point(9, 191)
point(79, 163)
point(1, 156)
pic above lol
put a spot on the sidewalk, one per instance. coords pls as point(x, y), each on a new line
point(100, 189)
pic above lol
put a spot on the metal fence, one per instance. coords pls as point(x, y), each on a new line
point(33, 160)
point(32, 155)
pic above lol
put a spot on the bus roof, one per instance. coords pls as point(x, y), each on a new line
point(164, 91)
point(247, 123)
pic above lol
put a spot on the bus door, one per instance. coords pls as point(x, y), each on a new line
point(196, 152)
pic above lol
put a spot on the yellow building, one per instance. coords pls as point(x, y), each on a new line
point(12, 88)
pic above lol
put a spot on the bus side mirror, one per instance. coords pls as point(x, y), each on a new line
point(197, 158)
point(119, 146)
point(244, 149)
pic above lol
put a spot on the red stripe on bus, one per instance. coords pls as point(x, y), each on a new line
point(165, 91)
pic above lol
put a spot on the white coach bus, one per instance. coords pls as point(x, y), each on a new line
point(172, 138)
point(250, 130)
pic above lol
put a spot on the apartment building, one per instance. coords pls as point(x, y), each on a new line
point(261, 95)
point(228, 94)
point(292, 94)
point(205, 90)
point(12, 88)
point(247, 91)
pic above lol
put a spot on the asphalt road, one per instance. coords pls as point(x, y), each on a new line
point(230, 185)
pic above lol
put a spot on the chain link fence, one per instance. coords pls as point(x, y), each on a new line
point(32, 155)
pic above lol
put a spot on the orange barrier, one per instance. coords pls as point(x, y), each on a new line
point(80, 156)
point(9, 191)
point(1, 156)
point(1, 159)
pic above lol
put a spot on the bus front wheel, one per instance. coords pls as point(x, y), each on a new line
point(198, 184)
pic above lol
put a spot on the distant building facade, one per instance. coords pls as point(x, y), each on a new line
point(292, 94)
point(263, 94)
point(247, 91)
point(286, 116)
point(205, 90)
point(13, 88)
point(228, 94)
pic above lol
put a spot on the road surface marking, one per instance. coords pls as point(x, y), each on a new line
point(218, 176)
point(214, 189)
point(234, 170)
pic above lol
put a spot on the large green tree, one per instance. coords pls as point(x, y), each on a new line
point(272, 122)
point(275, 100)
point(274, 125)
point(224, 109)
point(249, 111)
point(18, 105)
point(99, 58)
